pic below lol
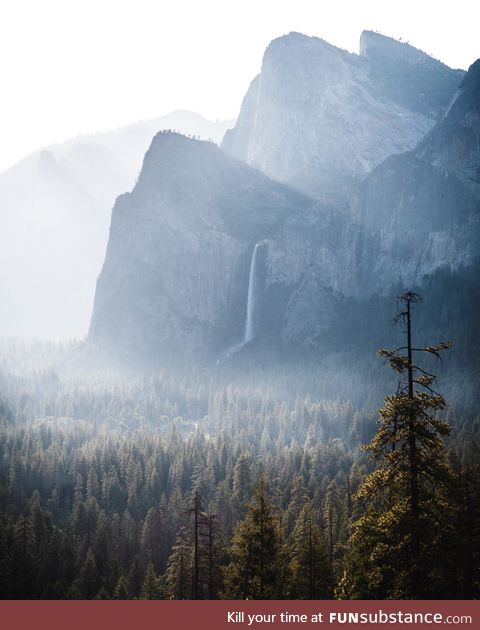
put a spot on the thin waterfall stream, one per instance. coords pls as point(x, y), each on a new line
point(252, 295)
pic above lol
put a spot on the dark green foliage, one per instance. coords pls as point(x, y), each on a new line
point(178, 577)
point(257, 554)
point(89, 581)
point(121, 588)
point(151, 587)
point(96, 499)
point(309, 563)
point(401, 547)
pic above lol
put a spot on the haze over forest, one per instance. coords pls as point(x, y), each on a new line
point(207, 300)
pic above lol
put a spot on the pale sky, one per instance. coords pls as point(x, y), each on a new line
point(80, 66)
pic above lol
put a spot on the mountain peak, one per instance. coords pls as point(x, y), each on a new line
point(372, 44)
point(297, 123)
point(464, 107)
point(378, 47)
point(297, 44)
point(472, 78)
point(168, 149)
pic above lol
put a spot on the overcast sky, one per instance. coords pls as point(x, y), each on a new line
point(78, 66)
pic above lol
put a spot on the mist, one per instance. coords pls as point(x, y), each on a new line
point(55, 210)
point(252, 334)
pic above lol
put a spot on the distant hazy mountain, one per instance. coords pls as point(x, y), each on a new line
point(320, 119)
point(55, 210)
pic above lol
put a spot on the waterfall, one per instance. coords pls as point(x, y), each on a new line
point(252, 294)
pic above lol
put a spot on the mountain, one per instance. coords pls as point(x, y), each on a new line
point(205, 249)
point(320, 119)
point(424, 206)
point(54, 215)
point(210, 258)
point(176, 275)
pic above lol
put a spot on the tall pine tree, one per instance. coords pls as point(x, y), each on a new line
point(256, 570)
point(309, 565)
point(399, 546)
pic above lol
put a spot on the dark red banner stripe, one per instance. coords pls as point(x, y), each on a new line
point(235, 615)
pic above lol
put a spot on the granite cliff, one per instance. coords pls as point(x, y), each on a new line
point(176, 274)
point(423, 207)
point(55, 213)
point(208, 255)
point(320, 119)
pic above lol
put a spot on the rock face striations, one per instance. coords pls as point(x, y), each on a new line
point(176, 274)
point(208, 255)
point(405, 75)
point(320, 119)
point(424, 205)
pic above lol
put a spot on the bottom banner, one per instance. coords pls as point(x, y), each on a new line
point(222, 615)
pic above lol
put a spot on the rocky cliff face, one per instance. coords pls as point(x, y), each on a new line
point(54, 215)
point(320, 119)
point(175, 278)
point(403, 74)
point(423, 207)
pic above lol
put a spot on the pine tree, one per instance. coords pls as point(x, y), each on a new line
point(241, 486)
point(178, 576)
point(211, 557)
point(23, 565)
point(196, 514)
point(154, 540)
point(135, 578)
point(121, 589)
point(151, 587)
point(332, 519)
point(256, 568)
point(5, 561)
point(298, 496)
point(25, 537)
point(89, 581)
point(309, 566)
point(397, 546)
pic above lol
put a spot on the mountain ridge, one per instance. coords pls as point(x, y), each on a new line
point(180, 284)
point(55, 212)
point(191, 221)
point(320, 118)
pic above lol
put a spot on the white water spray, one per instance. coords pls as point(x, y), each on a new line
point(252, 294)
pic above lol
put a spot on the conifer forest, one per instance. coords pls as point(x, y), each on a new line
point(240, 357)
point(156, 487)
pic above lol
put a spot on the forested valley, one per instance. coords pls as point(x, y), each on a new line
point(158, 487)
